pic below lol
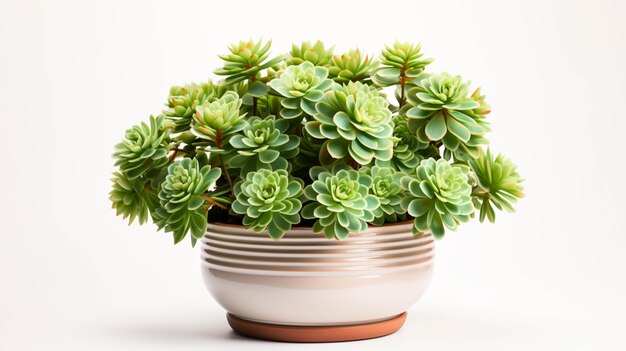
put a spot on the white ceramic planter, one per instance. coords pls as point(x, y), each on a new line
point(305, 279)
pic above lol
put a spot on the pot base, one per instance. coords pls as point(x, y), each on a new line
point(290, 333)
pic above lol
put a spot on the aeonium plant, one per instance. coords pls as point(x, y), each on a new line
point(309, 138)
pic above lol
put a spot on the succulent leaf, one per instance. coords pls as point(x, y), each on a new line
point(440, 109)
point(499, 184)
point(356, 122)
point(387, 188)
point(269, 200)
point(439, 197)
point(301, 86)
point(145, 147)
point(263, 144)
point(246, 60)
point(183, 207)
point(217, 120)
point(399, 63)
point(316, 53)
point(351, 66)
point(340, 201)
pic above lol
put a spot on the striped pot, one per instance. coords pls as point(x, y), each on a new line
point(305, 279)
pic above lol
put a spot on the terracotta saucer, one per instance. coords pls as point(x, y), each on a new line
point(289, 333)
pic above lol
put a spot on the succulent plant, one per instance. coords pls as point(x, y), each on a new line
point(246, 60)
point(440, 109)
point(131, 198)
point(269, 200)
point(351, 66)
point(386, 186)
point(317, 54)
point(400, 63)
point(219, 119)
point(182, 201)
point(311, 135)
point(440, 197)
point(301, 86)
point(406, 148)
point(499, 184)
point(356, 120)
point(144, 147)
point(183, 101)
point(341, 202)
point(263, 145)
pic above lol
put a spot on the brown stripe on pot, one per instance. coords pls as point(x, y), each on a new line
point(271, 245)
point(213, 263)
point(327, 252)
point(313, 262)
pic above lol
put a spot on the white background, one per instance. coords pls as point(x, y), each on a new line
point(75, 74)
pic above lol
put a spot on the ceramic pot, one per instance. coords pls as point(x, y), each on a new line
point(309, 285)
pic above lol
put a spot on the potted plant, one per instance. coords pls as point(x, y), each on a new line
point(312, 194)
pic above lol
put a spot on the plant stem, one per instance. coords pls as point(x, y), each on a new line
point(402, 82)
point(209, 199)
point(218, 143)
point(352, 162)
point(176, 151)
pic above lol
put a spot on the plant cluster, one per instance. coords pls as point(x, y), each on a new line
point(310, 138)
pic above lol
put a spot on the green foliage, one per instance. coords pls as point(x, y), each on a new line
point(131, 198)
point(182, 202)
point(301, 86)
point(408, 150)
point(263, 145)
point(268, 200)
point(219, 119)
point(351, 66)
point(399, 63)
point(183, 101)
point(145, 147)
point(341, 202)
point(246, 60)
point(317, 54)
point(499, 185)
point(440, 109)
point(356, 121)
point(386, 186)
point(439, 197)
point(311, 135)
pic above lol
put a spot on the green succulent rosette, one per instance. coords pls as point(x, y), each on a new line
point(269, 200)
point(183, 207)
point(387, 187)
point(440, 109)
point(131, 198)
point(316, 53)
point(499, 185)
point(245, 60)
point(406, 148)
point(183, 101)
point(145, 147)
point(301, 86)
point(351, 66)
point(341, 202)
point(439, 197)
point(400, 63)
point(263, 144)
point(217, 120)
point(356, 121)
